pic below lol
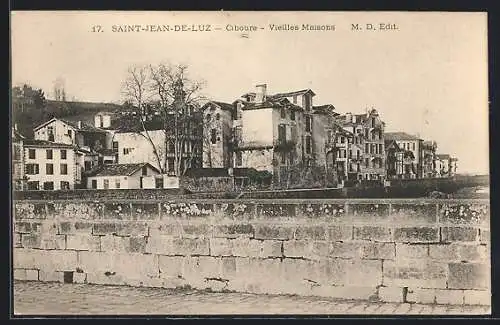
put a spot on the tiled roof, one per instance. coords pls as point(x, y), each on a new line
point(222, 105)
point(46, 144)
point(85, 126)
point(119, 169)
point(325, 109)
point(400, 136)
point(293, 93)
point(271, 102)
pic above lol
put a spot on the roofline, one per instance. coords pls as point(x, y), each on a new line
point(45, 123)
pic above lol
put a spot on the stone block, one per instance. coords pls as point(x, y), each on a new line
point(459, 234)
point(171, 266)
point(108, 278)
point(126, 265)
point(468, 276)
point(386, 251)
point(391, 294)
point(24, 210)
point(271, 248)
point(200, 268)
point(16, 240)
point(346, 249)
point(132, 229)
point(220, 247)
point(265, 276)
point(307, 249)
point(159, 244)
point(373, 233)
point(449, 297)
point(53, 242)
point(245, 247)
point(485, 236)
point(145, 211)
point(197, 231)
point(415, 273)
point(51, 276)
point(477, 297)
point(83, 242)
point(340, 233)
point(20, 274)
point(414, 213)
point(190, 246)
point(464, 214)
point(76, 211)
point(368, 212)
point(72, 228)
point(112, 243)
point(137, 244)
point(421, 296)
point(412, 250)
point(32, 275)
point(79, 277)
point(31, 240)
point(118, 211)
point(234, 230)
point(311, 233)
point(228, 268)
point(367, 272)
point(344, 292)
point(416, 235)
point(459, 252)
point(278, 210)
point(105, 228)
point(274, 232)
point(332, 271)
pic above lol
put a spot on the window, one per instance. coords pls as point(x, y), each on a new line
point(366, 133)
point(106, 184)
point(380, 164)
point(94, 183)
point(283, 158)
point(213, 136)
point(88, 165)
point(292, 115)
point(33, 186)
point(50, 133)
point(64, 169)
point(64, 185)
point(283, 113)
point(48, 186)
point(49, 169)
point(308, 144)
point(217, 117)
point(413, 146)
point(239, 159)
point(145, 171)
point(367, 148)
point(170, 165)
point(70, 133)
point(208, 117)
point(342, 139)
point(49, 153)
point(281, 133)
point(115, 146)
point(380, 148)
point(373, 122)
point(31, 154)
point(32, 169)
point(63, 154)
point(308, 123)
point(117, 183)
point(126, 151)
point(357, 154)
point(295, 99)
point(367, 162)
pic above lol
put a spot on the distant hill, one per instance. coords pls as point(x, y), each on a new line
point(73, 110)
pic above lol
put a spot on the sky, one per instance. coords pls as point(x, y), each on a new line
point(428, 77)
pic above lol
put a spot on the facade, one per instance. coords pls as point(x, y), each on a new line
point(394, 160)
point(52, 166)
point(446, 166)
point(429, 149)
point(125, 176)
point(18, 177)
point(217, 134)
point(412, 146)
point(366, 150)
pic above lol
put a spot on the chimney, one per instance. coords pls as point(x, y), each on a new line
point(348, 117)
point(79, 124)
point(260, 93)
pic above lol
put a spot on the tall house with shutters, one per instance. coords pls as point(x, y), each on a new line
point(272, 132)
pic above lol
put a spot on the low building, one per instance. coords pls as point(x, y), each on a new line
point(124, 176)
point(412, 147)
point(18, 177)
point(51, 166)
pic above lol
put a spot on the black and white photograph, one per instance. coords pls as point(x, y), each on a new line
point(234, 163)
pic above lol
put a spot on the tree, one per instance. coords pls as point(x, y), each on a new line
point(167, 99)
point(28, 108)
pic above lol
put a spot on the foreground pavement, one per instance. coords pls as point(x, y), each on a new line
point(36, 298)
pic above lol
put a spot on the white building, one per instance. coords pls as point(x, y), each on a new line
point(136, 148)
point(125, 176)
point(52, 166)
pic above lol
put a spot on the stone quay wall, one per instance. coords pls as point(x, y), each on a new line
point(422, 251)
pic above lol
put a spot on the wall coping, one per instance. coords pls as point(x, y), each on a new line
point(268, 201)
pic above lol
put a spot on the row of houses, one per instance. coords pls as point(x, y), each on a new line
point(284, 135)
